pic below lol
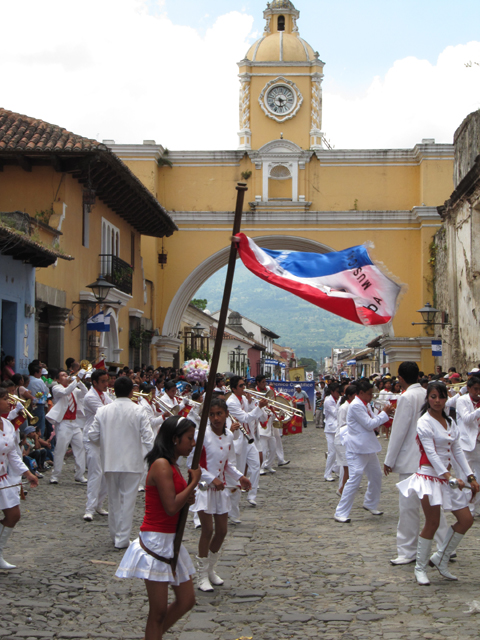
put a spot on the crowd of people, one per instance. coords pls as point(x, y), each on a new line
point(432, 426)
point(132, 428)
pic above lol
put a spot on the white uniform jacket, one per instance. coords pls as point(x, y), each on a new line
point(10, 460)
point(61, 395)
point(264, 427)
point(218, 459)
point(156, 419)
point(247, 414)
point(442, 446)
point(123, 429)
point(361, 422)
point(330, 408)
point(92, 402)
point(468, 418)
point(402, 453)
point(166, 400)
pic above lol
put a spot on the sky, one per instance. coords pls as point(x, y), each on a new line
point(130, 70)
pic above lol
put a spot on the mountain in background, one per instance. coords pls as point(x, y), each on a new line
point(310, 331)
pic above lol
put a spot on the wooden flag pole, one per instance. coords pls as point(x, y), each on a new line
point(241, 188)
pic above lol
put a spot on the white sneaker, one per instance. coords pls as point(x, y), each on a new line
point(53, 481)
point(284, 463)
point(263, 472)
point(252, 502)
point(401, 560)
point(342, 520)
point(374, 512)
point(102, 512)
point(81, 480)
point(88, 517)
point(141, 489)
point(329, 479)
point(234, 520)
point(270, 470)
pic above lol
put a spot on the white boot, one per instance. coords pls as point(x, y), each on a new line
point(424, 547)
point(202, 575)
point(442, 556)
point(5, 533)
point(212, 576)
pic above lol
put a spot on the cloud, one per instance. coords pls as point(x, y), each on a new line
point(122, 70)
point(414, 100)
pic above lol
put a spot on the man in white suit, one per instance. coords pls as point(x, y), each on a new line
point(124, 433)
point(68, 417)
point(247, 414)
point(468, 421)
point(96, 398)
point(361, 448)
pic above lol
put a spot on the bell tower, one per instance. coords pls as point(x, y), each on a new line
point(281, 84)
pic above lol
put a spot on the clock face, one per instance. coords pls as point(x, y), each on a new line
point(280, 99)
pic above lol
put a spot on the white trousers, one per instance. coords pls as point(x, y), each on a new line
point(277, 434)
point(67, 432)
point(473, 459)
point(331, 464)
point(97, 486)
point(409, 510)
point(246, 454)
point(269, 450)
point(358, 464)
point(122, 492)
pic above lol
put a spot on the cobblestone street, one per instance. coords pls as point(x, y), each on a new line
point(290, 571)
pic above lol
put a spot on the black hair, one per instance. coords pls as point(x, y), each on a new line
point(219, 402)
point(424, 380)
point(146, 387)
point(33, 369)
point(163, 447)
point(170, 385)
point(218, 394)
point(16, 378)
point(196, 396)
point(97, 374)
point(3, 392)
point(8, 359)
point(123, 387)
point(69, 362)
point(351, 390)
point(260, 377)
point(364, 385)
point(441, 387)
point(234, 380)
point(8, 383)
point(471, 381)
point(54, 373)
point(409, 371)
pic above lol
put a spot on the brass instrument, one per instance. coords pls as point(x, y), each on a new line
point(159, 405)
point(85, 364)
point(380, 403)
point(26, 403)
point(279, 405)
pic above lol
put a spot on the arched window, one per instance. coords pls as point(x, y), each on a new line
point(281, 23)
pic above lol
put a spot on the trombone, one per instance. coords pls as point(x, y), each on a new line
point(26, 403)
point(160, 406)
point(85, 364)
point(279, 406)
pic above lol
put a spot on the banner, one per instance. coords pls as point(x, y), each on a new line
point(346, 283)
point(437, 348)
point(99, 322)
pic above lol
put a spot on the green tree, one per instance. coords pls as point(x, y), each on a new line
point(200, 303)
point(309, 363)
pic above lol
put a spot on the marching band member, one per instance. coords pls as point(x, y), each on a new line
point(341, 457)
point(156, 419)
point(330, 408)
point(217, 463)
point(124, 434)
point(439, 443)
point(265, 431)
point(362, 447)
point(402, 457)
point(169, 397)
point(68, 416)
point(468, 422)
point(247, 453)
point(11, 470)
point(95, 398)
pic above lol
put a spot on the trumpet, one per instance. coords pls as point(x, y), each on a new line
point(279, 406)
point(159, 405)
point(26, 403)
point(85, 364)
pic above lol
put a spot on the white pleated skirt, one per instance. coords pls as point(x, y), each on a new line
point(425, 482)
point(212, 502)
point(9, 497)
point(137, 563)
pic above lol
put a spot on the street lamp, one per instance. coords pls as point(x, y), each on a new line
point(239, 350)
point(428, 314)
point(197, 332)
point(101, 289)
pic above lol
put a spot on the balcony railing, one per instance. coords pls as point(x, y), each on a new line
point(117, 272)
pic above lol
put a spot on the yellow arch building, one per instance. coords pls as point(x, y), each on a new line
point(302, 194)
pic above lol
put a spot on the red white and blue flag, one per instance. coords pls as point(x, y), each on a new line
point(346, 283)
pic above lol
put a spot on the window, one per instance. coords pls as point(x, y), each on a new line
point(86, 225)
point(281, 23)
point(132, 250)
point(110, 246)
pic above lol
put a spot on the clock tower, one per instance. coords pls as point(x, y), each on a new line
point(281, 85)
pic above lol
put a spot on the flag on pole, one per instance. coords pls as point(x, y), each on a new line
point(106, 323)
point(346, 283)
point(96, 322)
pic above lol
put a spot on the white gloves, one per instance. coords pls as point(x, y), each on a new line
point(81, 374)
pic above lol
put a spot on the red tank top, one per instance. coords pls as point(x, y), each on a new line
point(155, 518)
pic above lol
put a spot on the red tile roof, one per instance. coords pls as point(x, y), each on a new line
point(23, 133)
